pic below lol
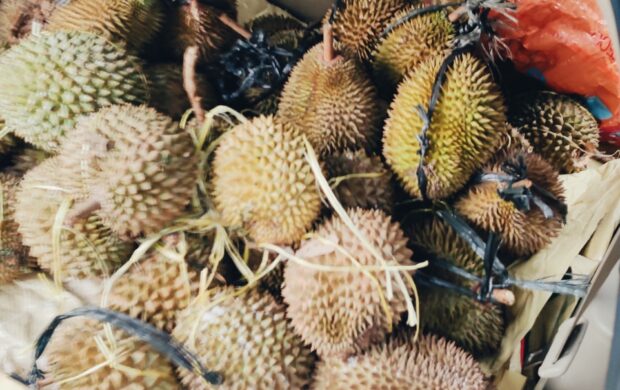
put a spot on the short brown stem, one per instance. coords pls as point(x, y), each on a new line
point(190, 61)
point(503, 296)
point(328, 43)
point(457, 13)
point(227, 20)
point(82, 210)
point(527, 183)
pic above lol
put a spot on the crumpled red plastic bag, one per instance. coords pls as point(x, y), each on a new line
point(566, 42)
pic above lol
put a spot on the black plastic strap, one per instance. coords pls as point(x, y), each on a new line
point(416, 12)
point(159, 340)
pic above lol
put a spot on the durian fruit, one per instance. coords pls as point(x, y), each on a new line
point(14, 259)
point(7, 142)
point(205, 30)
point(27, 158)
point(465, 130)
point(131, 22)
point(372, 192)
point(263, 183)
point(85, 249)
point(48, 81)
point(332, 103)
point(559, 128)
point(410, 44)
point(247, 339)
point(73, 350)
point(523, 232)
point(161, 285)
point(145, 175)
point(359, 23)
point(476, 327)
point(340, 313)
point(428, 363)
point(17, 18)
point(167, 93)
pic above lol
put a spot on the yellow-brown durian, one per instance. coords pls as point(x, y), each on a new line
point(247, 339)
point(340, 313)
point(263, 183)
point(332, 103)
point(430, 363)
point(523, 232)
point(465, 130)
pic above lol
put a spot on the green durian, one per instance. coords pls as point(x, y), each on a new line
point(410, 44)
point(476, 327)
point(131, 22)
point(48, 81)
point(466, 128)
point(559, 128)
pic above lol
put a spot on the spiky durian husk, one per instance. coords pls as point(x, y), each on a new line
point(523, 233)
point(131, 22)
point(475, 327)
point(263, 183)
point(559, 128)
point(73, 350)
point(465, 130)
point(428, 363)
point(167, 93)
point(208, 32)
point(79, 73)
point(362, 192)
point(334, 105)
point(359, 23)
point(161, 285)
point(247, 339)
point(18, 16)
point(87, 248)
point(145, 175)
point(340, 313)
point(27, 158)
point(409, 45)
point(14, 259)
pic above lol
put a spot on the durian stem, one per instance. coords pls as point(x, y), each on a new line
point(503, 296)
point(83, 210)
point(190, 61)
point(457, 13)
point(328, 43)
point(227, 20)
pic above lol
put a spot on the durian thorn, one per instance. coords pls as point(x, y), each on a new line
point(341, 212)
point(60, 216)
point(190, 62)
point(233, 25)
point(81, 236)
point(82, 211)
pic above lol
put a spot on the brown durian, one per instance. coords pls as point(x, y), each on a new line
point(87, 248)
point(73, 350)
point(17, 18)
point(14, 259)
point(161, 285)
point(476, 327)
point(144, 168)
point(430, 363)
point(523, 232)
point(332, 103)
point(465, 130)
point(247, 339)
point(263, 183)
point(205, 30)
point(168, 95)
point(359, 23)
point(373, 192)
point(560, 129)
point(340, 313)
point(131, 22)
point(410, 44)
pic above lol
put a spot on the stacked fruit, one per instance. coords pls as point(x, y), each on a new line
point(279, 248)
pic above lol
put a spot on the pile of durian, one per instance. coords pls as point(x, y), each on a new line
point(286, 238)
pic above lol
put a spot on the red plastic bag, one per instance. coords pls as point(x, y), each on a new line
point(567, 44)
